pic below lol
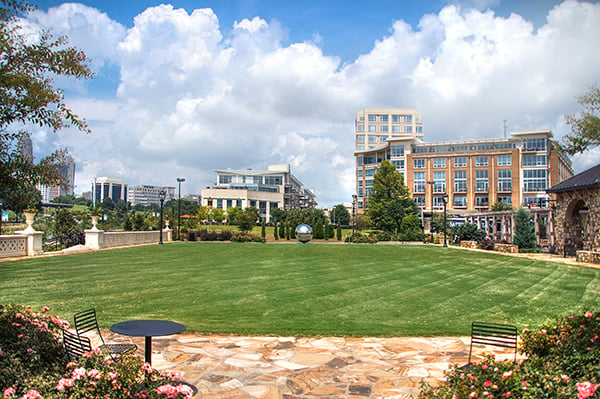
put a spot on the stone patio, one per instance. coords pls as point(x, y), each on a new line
point(231, 367)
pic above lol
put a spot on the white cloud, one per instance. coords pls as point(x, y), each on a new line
point(190, 100)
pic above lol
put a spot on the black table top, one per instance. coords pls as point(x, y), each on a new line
point(147, 328)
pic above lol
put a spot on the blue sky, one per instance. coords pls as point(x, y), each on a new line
point(241, 84)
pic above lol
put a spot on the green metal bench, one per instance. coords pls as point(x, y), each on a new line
point(493, 334)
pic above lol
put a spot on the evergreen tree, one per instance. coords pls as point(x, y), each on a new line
point(390, 199)
point(339, 233)
point(263, 229)
point(287, 232)
point(275, 232)
point(524, 235)
point(318, 231)
point(281, 230)
point(411, 228)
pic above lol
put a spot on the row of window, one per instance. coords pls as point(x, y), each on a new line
point(421, 149)
point(386, 118)
point(460, 201)
point(385, 129)
point(270, 180)
point(237, 203)
point(461, 162)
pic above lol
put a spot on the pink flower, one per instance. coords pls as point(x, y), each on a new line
point(176, 376)
point(507, 374)
point(78, 373)
point(64, 382)
point(31, 394)
point(507, 394)
point(525, 331)
point(93, 373)
point(524, 383)
point(45, 309)
point(487, 384)
point(585, 389)
point(473, 395)
point(594, 339)
point(147, 367)
point(9, 391)
point(565, 377)
point(486, 393)
point(588, 315)
point(1, 353)
point(484, 366)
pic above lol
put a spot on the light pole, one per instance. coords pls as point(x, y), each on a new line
point(162, 194)
point(1, 214)
point(179, 180)
point(353, 214)
point(445, 199)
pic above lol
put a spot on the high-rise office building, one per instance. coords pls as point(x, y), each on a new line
point(106, 187)
point(147, 195)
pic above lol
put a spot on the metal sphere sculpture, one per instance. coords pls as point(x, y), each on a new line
point(304, 233)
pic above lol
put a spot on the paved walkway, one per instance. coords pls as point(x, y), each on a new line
point(228, 367)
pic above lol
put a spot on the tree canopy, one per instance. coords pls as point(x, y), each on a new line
point(390, 199)
point(27, 96)
point(585, 127)
point(339, 215)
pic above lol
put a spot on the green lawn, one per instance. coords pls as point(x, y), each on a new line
point(295, 289)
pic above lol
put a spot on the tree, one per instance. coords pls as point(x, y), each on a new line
point(203, 213)
point(524, 235)
point(263, 229)
point(437, 223)
point(500, 206)
point(469, 232)
point(232, 214)
point(66, 230)
point(318, 231)
point(339, 215)
point(27, 96)
point(216, 214)
point(390, 199)
point(275, 232)
point(339, 233)
point(278, 215)
point(411, 228)
point(282, 230)
point(138, 221)
point(585, 127)
point(245, 220)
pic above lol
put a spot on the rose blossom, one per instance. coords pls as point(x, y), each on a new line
point(588, 315)
point(585, 389)
point(9, 391)
point(487, 384)
point(507, 374)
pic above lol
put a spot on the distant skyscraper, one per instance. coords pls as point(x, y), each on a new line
point(67, 170)
point(25, 146)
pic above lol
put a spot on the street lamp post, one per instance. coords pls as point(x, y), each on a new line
point(445, 199)
point(179, 180)
point(162, 194)
point(353, 214)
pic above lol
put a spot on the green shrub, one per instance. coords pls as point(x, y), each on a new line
point(245, 237)
point(562, 362)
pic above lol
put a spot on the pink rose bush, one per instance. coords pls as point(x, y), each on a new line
point(33, 365)
point(562, 362)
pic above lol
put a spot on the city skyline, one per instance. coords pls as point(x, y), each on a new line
point(240, 84)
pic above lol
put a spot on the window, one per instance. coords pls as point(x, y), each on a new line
point(460, 181)
point(369, 183)
point(419, 129)
point(537, 144)
point(407, 118)
point(396, 129)
point(439, 162)
point(418, 163)
point(229, 204)
point(438, 202)
point(439, 182)
point(504, 180)
point(372, 139)
point(505, 200)
point(360, 147)
point(481, 161)
point(407, 129)
point(383, 118)
point(481, 181)
point(483, 147)
point(420, 201)
point(505, 146)
point(534, 180)
point(535, 201)
point(360, 204)
point(460, 162)
point(383, 128)
point(382, 139)
point(359, 173)
point(370, 160)
point(258, 180)
point(398, 163)
point(372, 118)
point(460, 201)
point(224, 179)
point(396, 118)
point(360, 128)
point(481, 202)
point(442, 148)
point(360, 138)
point(535, 160)
point(504, 160)
point(462, 148)
point(370, 172)
point(360, 185)
point(419, 182)
point(372, 128)
point(397, 151)
point(220, 203)
point(273, 180)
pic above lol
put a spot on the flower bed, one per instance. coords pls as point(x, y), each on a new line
point(33, 364)
point(562, 363)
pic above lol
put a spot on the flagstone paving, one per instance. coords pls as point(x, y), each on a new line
point(231, 367)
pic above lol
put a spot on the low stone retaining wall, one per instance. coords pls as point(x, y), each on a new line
point(506, 248)
point(13, 245)
point(588, 256)
point(468, 244)
point(99, 239)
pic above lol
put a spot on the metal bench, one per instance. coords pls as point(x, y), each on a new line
point(493, 334)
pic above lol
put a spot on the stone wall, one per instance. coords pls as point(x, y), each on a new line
point(569, 233)
point(588, 256)
point(469, 244)
point(13, 245)
point(506, 248)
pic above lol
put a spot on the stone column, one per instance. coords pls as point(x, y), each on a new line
point(94, 239)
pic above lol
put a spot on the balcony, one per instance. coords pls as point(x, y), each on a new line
point(482, 187)
point(460, 188)
point(504, 187)
point(419, 189)
point(439, 188)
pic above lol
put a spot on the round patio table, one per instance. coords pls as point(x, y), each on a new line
point(147, 329)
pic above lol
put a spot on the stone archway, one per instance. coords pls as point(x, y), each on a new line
point(577, 221)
